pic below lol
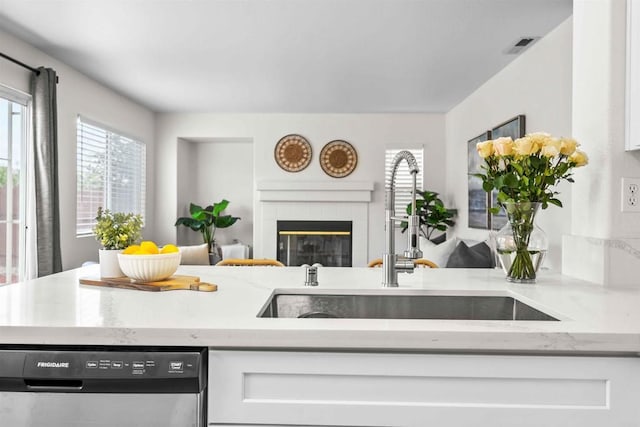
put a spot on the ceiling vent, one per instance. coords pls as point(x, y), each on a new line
point(522, 44)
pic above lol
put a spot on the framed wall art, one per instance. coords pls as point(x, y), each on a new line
point(513, 128)
point(478, 210)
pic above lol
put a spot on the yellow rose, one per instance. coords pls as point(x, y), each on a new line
point(579, 158)
point(526, 146)
point(568, 146)
point(540, 139)
point(503, 146)
point(485, 149)
point(551, 147)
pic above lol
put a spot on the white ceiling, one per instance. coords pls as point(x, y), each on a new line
point(284, 56)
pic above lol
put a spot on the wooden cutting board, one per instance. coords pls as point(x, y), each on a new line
point(173, 283)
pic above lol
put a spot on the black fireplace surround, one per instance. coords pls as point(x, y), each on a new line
point(308, 242)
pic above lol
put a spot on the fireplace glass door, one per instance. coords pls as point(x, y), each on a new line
point(308, 242)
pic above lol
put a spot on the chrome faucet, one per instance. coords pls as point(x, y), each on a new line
point(392, 263)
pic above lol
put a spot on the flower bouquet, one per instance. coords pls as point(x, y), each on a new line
point(524, 173)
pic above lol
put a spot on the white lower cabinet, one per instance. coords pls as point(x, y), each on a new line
point(279, 388)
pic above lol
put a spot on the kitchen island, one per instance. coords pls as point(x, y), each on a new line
point(57, 310)
point(580, 370)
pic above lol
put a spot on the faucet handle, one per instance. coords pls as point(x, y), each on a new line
point(311, 275)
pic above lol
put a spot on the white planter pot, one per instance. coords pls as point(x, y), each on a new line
point(109, 265)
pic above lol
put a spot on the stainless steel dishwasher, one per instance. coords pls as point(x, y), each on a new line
point(103, 387)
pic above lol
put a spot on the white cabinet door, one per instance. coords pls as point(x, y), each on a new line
point(633, 76)
point(444, 390)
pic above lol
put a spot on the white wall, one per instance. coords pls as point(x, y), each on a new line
point(186, 173)
point(599, 103)
point(605, 242)
point(78, 94)
point(213, 169)
point(538, 85)
point(368, 133)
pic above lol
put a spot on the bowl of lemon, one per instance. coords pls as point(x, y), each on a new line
point(147, 262)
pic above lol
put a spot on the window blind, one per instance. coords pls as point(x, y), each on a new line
point(111, 173)
point(404, 181)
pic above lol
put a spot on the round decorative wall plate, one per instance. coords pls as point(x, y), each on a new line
point(338, 158)
point(293, 153)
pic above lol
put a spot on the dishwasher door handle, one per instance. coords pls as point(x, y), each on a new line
point(52, 385)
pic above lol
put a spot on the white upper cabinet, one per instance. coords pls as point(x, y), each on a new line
point(633, 76)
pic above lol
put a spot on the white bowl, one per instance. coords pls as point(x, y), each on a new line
point(149, 268)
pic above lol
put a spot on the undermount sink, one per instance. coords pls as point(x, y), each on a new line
point(381, 306)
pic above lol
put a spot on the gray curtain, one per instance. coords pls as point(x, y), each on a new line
point(45, 154)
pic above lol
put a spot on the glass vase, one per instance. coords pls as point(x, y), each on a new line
point(215, 253)
point(521, 245)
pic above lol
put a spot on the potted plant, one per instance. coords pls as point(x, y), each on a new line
point(115, 231)
point(434, 216)
point(207, 220)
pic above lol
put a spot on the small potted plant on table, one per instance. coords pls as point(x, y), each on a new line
point(115, 231)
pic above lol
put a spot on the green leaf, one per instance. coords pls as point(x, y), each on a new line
point(219, 207)
point(192, 223)
point(225, 221)
point(537, 162)
point(197, 212)
point(195, 209)
point(511, 181)
point(555, 202)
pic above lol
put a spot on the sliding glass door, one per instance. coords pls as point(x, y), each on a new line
point(13, 142)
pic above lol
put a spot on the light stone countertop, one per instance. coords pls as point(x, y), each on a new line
point(57, 310)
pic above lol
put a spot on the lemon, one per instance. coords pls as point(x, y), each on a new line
point(148, 247)
point(133, 249)
point(169, 248)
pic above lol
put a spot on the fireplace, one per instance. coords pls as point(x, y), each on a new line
point(299, 200)
point(308, 242)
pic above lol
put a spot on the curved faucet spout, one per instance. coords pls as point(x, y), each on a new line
point(411, 162)
point(390, 185)
point(390, 263)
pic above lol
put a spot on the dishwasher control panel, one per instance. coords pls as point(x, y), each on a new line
point(43, 364)
point(87, 370)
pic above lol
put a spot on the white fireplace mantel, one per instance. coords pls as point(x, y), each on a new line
point(313, 200)
point(315, 191)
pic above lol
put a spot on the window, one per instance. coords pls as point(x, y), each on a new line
point(404, 180)
point(111, 171)
point(13, 190)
